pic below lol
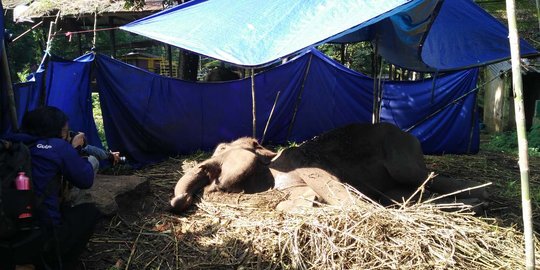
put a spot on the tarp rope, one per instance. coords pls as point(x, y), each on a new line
point(299, 98)
point(455, 101)
point(70, 34)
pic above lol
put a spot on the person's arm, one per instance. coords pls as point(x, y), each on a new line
point(77, 170)
point(96, 151)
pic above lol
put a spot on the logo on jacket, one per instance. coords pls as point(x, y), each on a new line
point(43, 146)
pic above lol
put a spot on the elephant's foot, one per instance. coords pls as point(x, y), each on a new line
point(464, 189)
point(181, 202)
point(299, 198)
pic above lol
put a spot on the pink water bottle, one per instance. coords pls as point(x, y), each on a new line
point(22, 182)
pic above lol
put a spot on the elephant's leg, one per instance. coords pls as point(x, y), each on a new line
point(445, 185)
point(326, 185)
point(403, 159)
point(298, 197)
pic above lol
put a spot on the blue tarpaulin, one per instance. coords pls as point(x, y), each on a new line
point(254, 32)
point(68, 88)
point(422, 35)
point(150, 117)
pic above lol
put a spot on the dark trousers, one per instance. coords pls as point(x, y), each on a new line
point(71, 237)
point(55, 247)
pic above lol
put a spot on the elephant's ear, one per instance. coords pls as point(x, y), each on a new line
point(212, 169)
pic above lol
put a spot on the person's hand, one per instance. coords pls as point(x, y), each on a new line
point(78, 140)
point(115, 157)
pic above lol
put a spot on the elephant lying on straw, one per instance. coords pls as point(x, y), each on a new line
point(379, 160)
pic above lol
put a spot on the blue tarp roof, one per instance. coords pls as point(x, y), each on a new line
point(422, 35)
point(255, 32)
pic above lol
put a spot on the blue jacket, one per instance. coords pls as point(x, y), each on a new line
point(52, 156)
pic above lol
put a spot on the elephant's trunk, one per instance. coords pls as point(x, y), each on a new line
point(189, 184)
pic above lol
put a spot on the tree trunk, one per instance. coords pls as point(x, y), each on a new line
point(189, 62)
point(521, 133)
point(189, 66)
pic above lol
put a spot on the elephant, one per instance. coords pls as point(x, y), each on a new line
point(380, 160)
point(219, 74)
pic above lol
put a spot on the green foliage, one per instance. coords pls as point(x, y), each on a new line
point(24, 55)
point(507, 141)
point(512, 189)
point(358, 56)
point(98, 119)
point(22, 75)
point(278, 148)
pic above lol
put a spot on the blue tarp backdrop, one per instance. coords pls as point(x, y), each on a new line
point(68, 88)
point(149, 117)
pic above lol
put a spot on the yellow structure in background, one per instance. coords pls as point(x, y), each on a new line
point(150, 62)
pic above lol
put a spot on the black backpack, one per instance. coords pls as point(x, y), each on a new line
point(14, 158)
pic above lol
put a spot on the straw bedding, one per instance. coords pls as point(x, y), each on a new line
point(242, 231)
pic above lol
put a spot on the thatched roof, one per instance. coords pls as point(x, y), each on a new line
point(76, 8)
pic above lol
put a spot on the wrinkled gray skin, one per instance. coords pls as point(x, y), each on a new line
point(379, 160)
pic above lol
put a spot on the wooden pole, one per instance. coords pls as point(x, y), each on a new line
point(95, 32)
point(299, 98)
point(521, 134)
point(270, 117)
point(538, 13)
point(169, 57)
point(342, 53)
point(112, 36)
point(6, 79)
point(254, 111)
point(375, 67)
point(79, 37)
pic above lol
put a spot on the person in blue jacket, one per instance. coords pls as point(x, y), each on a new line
point(55, 159)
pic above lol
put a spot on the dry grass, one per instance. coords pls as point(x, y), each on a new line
point(241, 231)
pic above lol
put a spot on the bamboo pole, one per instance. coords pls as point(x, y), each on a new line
point(254, 110)
point(6, 79)
point(270, 117)
point(95, 32)
point(374, 69)
point(521, 133)
point(538, 13)
point(299, 98)
point(27, 31)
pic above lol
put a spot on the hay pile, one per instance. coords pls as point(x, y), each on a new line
point(241, 231)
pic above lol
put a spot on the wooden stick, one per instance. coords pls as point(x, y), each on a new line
point(133, 248)
point(254, 111)
point(457, 192)
point(299, 98)
point(521, 130)
point(6, 79)
point(270, 116)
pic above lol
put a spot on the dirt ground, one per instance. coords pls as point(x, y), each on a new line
point(121, 241)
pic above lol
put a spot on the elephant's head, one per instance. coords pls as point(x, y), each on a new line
point(263, 154)
point(239, 166)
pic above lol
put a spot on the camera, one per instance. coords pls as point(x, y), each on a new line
point(72, 135)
